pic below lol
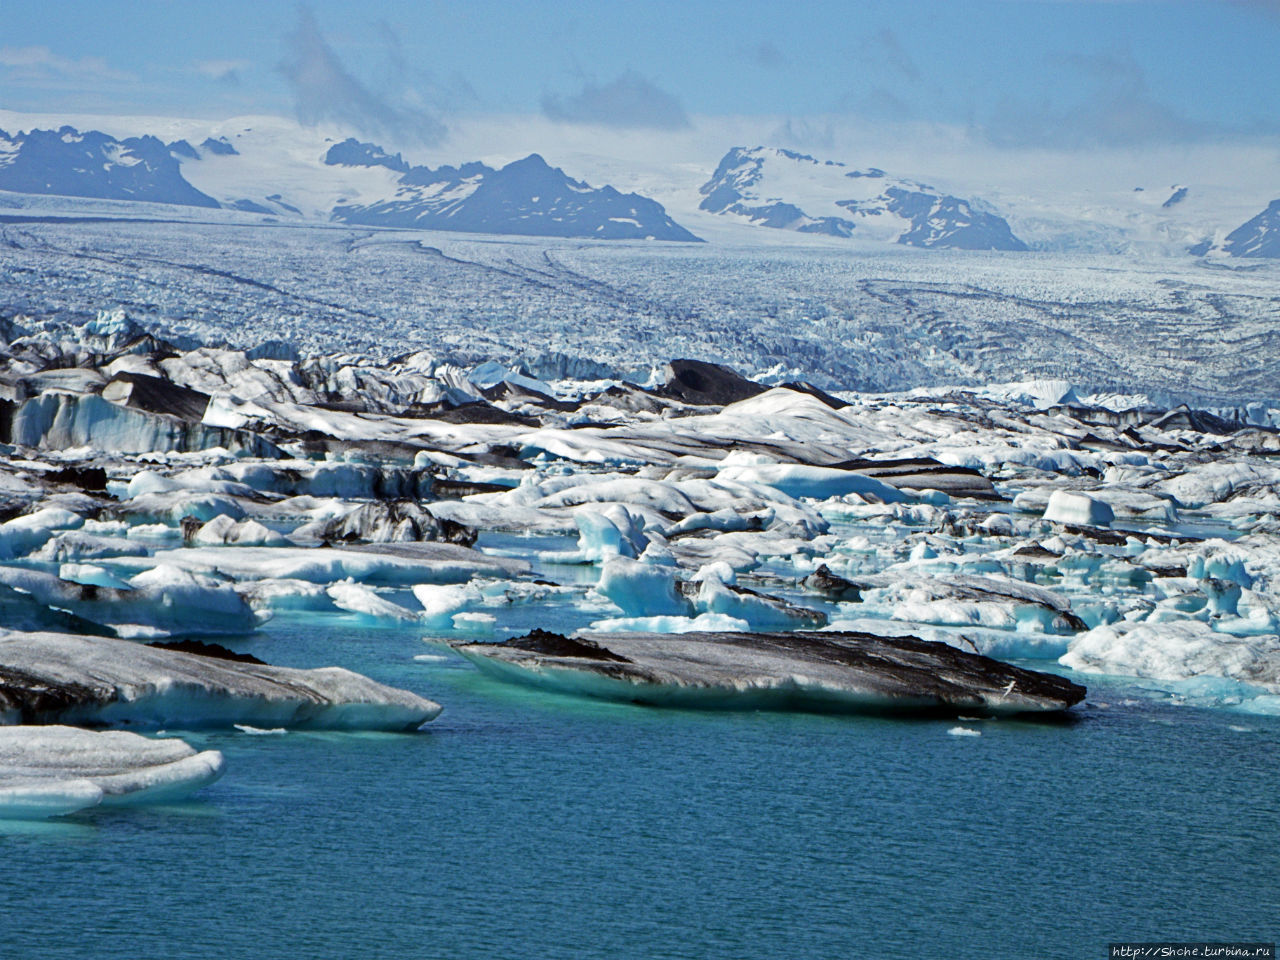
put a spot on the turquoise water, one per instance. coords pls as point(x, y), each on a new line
point(522, 824)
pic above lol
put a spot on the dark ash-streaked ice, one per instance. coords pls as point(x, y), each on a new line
point(812, 671)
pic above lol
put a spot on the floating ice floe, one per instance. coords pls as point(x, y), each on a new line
point(382, 564)
point(243, 533)
point(62, 678)
point(821, 483)
point(718, 594)
point(357, 598)
point(443, 603)
point(210, 487)
point(838, 672)
point(612, 532)
point(48, 771)
point(642, 589)
point(22, 535)
point(161, 600)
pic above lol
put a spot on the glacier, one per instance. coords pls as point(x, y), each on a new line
point(840, 319)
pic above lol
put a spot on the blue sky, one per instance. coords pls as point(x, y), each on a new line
point(1023, 72)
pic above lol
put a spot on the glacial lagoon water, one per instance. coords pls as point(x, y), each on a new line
point(525, 824)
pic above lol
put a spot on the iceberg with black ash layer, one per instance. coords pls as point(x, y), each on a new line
point(63, 678)
point(839, 672)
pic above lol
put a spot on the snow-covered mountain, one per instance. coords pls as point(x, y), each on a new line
point(527, 197)
point(67, 162)
point(1258, 238)
point(774, 187)
point(1160, 203)
point(351, 182)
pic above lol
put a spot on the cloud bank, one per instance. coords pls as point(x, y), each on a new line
point(1117, 110)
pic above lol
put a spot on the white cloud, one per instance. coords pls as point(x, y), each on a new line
point(36, 64)
point(1116, 108)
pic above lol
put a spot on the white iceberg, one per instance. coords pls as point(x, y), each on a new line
point(1068, 506)
point(642, 589)
point(243, 533)
point(22, 535)
point(53, 770)
point(1176, 650)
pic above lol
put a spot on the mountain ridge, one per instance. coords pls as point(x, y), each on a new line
point(526, 198)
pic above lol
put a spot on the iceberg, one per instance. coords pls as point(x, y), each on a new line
point(717, 594)
point(378, 564)
point(702, 623)
point(642, 589)
point(357, 598)
point(244, 533)
point(1079, 509)
point(396, 521)
point(58, 421)
point(53, 770)
point(63, 678)
point(1177, 650)
point(442, 602)
point(822, 672)
point(819, 483)
point(23, 535)
point(161, 600)
point(612, 532)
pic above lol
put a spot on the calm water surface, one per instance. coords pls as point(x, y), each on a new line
point(523, 824)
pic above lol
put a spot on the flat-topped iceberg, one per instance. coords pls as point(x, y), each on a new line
point(799, 480)
point(827, 672)
point(1067, 506)
point(48, 771)
point(62, 678)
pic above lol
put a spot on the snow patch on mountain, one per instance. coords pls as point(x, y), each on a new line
point(775, 187)
point(1258, 238)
